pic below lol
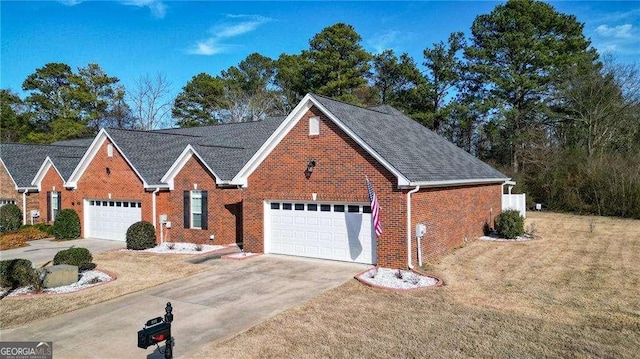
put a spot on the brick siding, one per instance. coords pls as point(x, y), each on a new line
point(452, 214)
point(224, 207)
point(339, 176)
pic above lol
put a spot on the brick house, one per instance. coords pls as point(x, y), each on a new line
point(291, 185)
point(32, 177)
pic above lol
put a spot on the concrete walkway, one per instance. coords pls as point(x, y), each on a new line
point(44, 250)
point(209, 306)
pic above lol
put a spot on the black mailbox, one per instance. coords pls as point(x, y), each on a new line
point(154, 334)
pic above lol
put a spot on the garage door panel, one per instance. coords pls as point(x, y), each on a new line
point(329, 231)
point(110, 219)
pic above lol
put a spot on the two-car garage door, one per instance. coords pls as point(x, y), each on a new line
point(110, 219)
point(338, 231)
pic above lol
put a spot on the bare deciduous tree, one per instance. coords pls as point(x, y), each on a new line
point(150, 101)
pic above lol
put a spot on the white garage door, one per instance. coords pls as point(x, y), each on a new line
point(335, 231)
point(110, 219)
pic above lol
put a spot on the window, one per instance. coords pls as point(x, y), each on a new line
point(4, 201)
point(353, 209)
point(314, 126)
point(312, 207)
point(325, 207)
point(54, 201)
point(110, 150)
point(275, 205)
point(366, 209)
point(299, 207)
point(286, 206)
point(195, 209)
point(338, 208)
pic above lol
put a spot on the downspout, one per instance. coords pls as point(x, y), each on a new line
point(153, 205)
point(24, 206)
point(409, 225)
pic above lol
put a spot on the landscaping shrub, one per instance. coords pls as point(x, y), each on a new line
point(73, 256)
point(10, 218)
point(46, 228)
point(141, 235)
point(16, 273)
point(67, 225)
point(32, 233)
point(87, 266)
point(510, 224)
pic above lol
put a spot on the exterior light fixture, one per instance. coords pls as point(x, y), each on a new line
point(310, 166)
point(108, 171)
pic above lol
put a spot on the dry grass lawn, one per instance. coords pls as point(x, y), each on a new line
point(574, 293)
point(135, 271)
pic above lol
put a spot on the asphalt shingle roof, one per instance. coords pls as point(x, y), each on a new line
point(225, 148)
point(23, 160)
point(415, 151)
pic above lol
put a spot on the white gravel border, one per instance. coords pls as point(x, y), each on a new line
point(493, 237)
point(85, 281)
point(179, 248)
point(386, 277)
point(241, 255)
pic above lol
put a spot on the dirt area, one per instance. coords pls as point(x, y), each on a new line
point(135, 271)
point(574, 293)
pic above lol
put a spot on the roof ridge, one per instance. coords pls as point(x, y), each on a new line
point(351, 104)
point(155, 132)
point(217, 124)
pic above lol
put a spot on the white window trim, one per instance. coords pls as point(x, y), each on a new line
point(55, 205)
point(109, 150)
point(195, 195)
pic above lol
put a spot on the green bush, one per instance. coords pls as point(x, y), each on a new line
point(73, 256)
point(87, 266)
point(16, 273)
point(141, 235)
point(10, 218)
point(510, 224)
point(46, 228)
point(67, 225)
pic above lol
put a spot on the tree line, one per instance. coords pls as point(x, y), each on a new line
point(524, 91)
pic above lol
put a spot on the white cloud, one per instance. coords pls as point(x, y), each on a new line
point(236, 26)
point(621, 31)
point(70, 2)
point(157, 7)
point(384, 41)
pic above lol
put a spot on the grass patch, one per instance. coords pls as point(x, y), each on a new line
point(572, 294)
point(136, 271)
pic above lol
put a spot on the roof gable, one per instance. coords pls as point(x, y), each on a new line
point(91, 153)
point(23, 161)
point(42, 172)
point(177, 166)
point(410, 151)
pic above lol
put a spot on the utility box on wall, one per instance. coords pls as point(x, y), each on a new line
point(421, 230)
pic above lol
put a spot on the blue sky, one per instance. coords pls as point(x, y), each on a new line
point(180, 39)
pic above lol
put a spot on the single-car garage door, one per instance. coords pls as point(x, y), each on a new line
point(110, 219)
point(337, 231)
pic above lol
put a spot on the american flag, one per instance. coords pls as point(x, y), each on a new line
point(375, 209)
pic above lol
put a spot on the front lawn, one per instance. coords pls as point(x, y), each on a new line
point(574, 293)
point(135, 270)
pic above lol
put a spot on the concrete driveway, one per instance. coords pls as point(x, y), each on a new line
point(44, 250)
point(216, 304)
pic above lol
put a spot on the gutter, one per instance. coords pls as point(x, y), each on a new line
point(409, 225)
point(451, 183)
